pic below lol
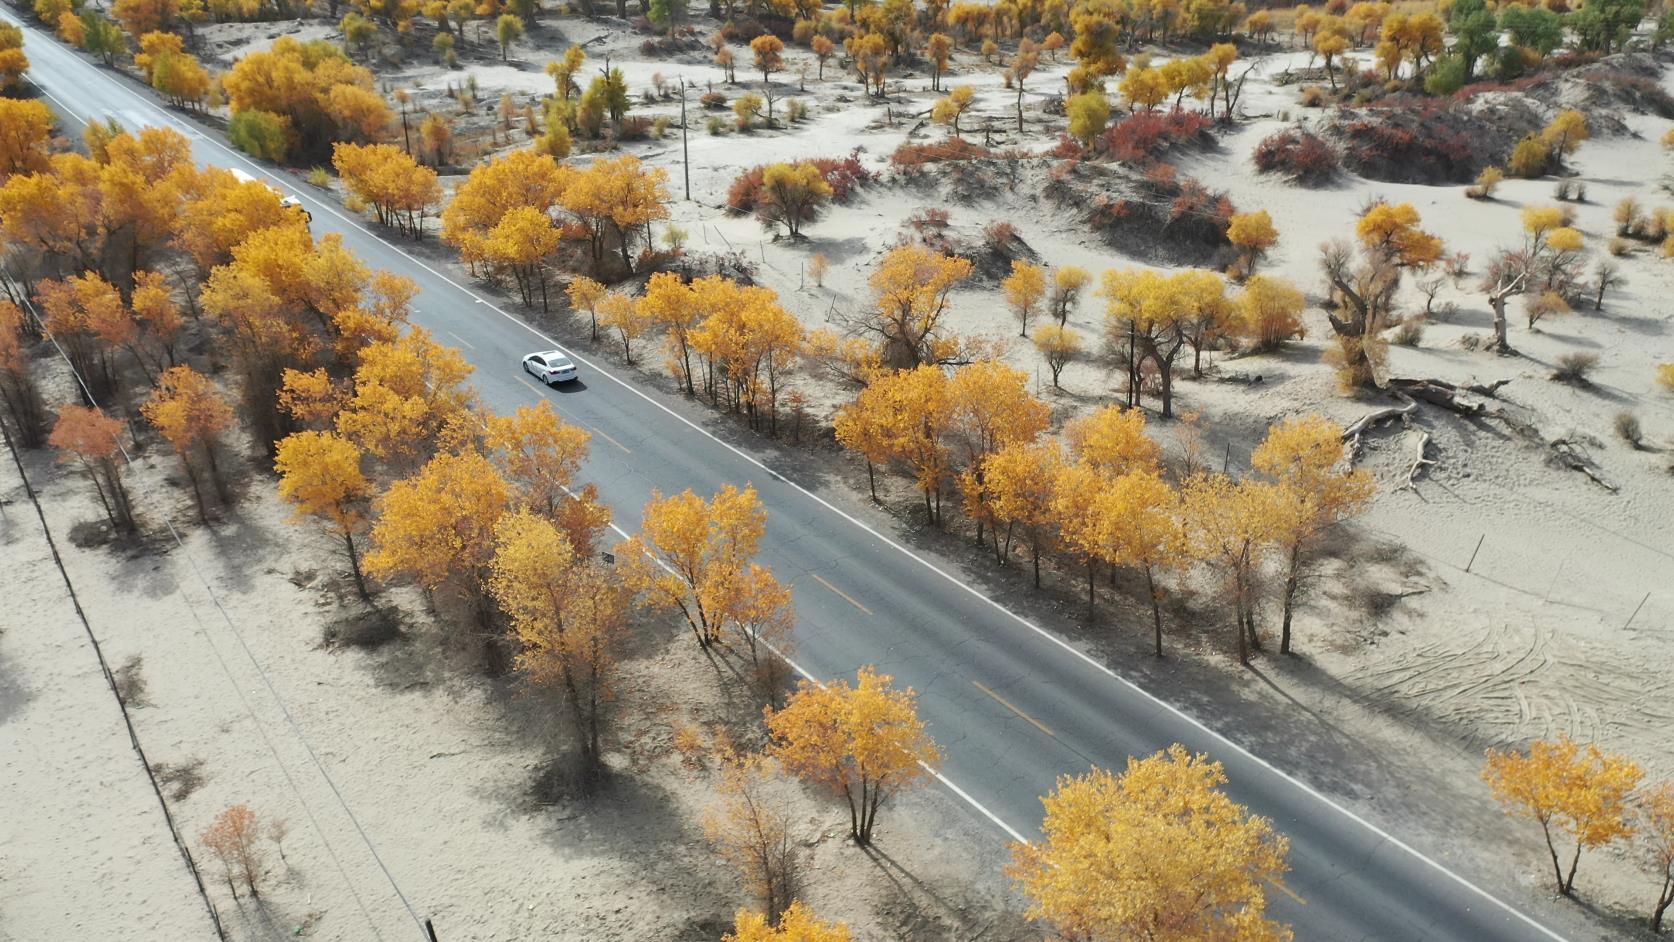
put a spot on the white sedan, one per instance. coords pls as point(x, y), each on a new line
point(550, 366)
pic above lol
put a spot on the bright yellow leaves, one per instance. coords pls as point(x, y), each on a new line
point(13, 62)
point(1581, 793)
point(611, 202)
point(1391, 231)
point(950, 108)
point(910, 288)
point(791, 195)
point(798, 924)
point(569, 616)
point(1023, 289)
point(320, 476)
point(864, 742)
point(25, 128)
point(1254, 235)
point(398, 189)
point(437, 527)
point(1120, 848)
point(686, 546)
point(1304, 456)
point(1268, 311)
point(1156, 315)
point(406, 392)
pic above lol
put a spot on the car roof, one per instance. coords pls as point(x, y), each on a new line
point(550, 354)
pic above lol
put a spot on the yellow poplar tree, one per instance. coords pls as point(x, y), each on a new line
point(796, 924)
point(864, 742)
point(1579, 792)
point(1023, 289)
point(438, 527)
point(320, 475)
point(685, 544)
point(1157, 853)
point(1316, 490)
point(569, 617)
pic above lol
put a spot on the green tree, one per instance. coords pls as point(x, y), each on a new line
point(261, 134)
point(1475, 32)
point(507, 29)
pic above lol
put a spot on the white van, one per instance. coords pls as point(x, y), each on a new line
point(285, 199)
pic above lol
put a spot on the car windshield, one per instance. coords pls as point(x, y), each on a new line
point(537, 360)
point(562, 362)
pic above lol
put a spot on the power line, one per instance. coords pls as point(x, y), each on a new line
point(296, 728)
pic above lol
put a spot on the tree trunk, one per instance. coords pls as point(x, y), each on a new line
point(1557, 868)
point(1500, 343)
point(1091, 574)
point(872, 480)
point(1291, 576)
point(1574, 861)
point(354, 565)
point(1664, 900)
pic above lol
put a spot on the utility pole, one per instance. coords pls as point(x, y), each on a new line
point(685, 154)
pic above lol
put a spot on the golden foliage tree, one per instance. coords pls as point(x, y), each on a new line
point(93, 440)
point(1582, 793)
point(1154, 316)
point(13, 62)
point(1142, 514)
point(313, 85)
point(407, 392)
point(1017, 483)
point(1158, 852)
point(1268, 311)
point(1059, 347)
point(1305, 457)
point(541, 454)
point(569, 616)
point(1231, 525)
point(796, 924)
point(320, 475)
point(910, 289)
point(437, 527)
point(1024, 288)
point(1113, 442)
point(520, 179)
point(864, 742)
point(749, 343)
point(903, 417)
point(399, 190)
point(685, 545)
point(791, 195)
point(25, 129)
point(192, 415)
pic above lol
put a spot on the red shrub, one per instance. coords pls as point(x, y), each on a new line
point(913, 155)
point(1298, 153)
point(1146, 135)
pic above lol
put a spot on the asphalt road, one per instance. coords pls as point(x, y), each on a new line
point(1012, 706)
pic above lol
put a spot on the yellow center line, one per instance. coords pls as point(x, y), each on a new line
point(462, 340)
point(625, 448)
point(1008, 705)
point(1287, 891)
point(841, 594)
point(542, 393)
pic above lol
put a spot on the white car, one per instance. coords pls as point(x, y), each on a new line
point(550, 366)
point(285, 199)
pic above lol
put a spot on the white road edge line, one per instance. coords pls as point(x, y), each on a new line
point(1182, 714)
